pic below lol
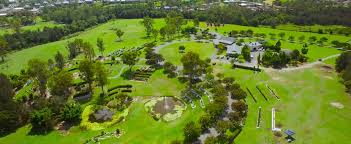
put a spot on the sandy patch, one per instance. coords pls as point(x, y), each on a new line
point(337, 105)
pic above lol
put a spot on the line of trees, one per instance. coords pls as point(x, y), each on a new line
point(79, 17)
point(343, 66)
point(277, 58)
point(51, 85)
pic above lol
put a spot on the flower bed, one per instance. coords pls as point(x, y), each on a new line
point(165, 108)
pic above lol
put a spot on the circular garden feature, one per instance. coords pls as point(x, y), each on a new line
point(165, 108)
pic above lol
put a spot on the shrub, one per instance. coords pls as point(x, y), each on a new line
point(41, 120)
point(71, 112)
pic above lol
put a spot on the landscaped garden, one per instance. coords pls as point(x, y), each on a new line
point(124, 81)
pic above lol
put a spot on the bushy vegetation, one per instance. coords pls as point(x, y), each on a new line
point(343, 66)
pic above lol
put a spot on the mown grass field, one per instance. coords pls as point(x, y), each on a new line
point(315, 51)
point(172, 55)
point(304, 105)
point(134, 35)
point(39, 25)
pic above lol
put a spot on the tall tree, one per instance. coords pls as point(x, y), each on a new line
point(196, 22)
point(191, 132)
point(74, 48)
point(193, 66)
point(101, 75)
point(87, 69)
point(304, 49)
point(60, 83)
point(60, 61)
point(155, 34)
point(39, 71)
point(88, 51)
point(119, 33)
point(130, 58)
point(246, 52)
point(100, 45)
point(148, 25)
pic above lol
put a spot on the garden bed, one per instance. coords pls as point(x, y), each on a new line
point(165, 108)
point(87, 124)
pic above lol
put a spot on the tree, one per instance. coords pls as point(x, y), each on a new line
point(155, 33)
point(101, 46)
point(101, 75)
point(343, 61)
point(281, 35)
point(163, 32)
point(221, 48)
point(87, 69)
point(272, 35)
point(239, 106)
point(246, 52)
point(291, 38)
point(119, 33)
point(191, 132)
point(3, 49)
point(15, 25)
point(71, 112)
point(234, 116)
point(259, 59)
point(312, 39)
point(181, 48)
point(88, 51)
point(193, 66)
point(8, 110)
point(74, 48)
point(130, 58)
point(60, 83)
point(222, 126)
point(39, 71)
point(196, 22)
point(211, 140)
point(277, 46)
point(205, 121)
point(169, 69)
point(304, 49)
point(60, 61)
point(148, 25)
point(41, 120)
point(322, 40)
point(295, 55)
point(301, 38)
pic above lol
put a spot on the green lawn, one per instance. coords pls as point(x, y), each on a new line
point(134, 36)
point(304, 106)
point(172, 55)
point(312, 28)
point(39, 25)
point(315, 52)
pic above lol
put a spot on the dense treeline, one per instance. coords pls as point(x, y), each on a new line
point(343, 66)
point(318, 12)
point(303, 12)
point(79, 17)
